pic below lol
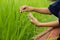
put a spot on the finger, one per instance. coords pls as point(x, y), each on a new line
point(20, 11)
point(22, 8)
point(31, 16)
point(30, 19)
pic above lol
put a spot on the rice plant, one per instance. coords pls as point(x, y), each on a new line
point(17, 26)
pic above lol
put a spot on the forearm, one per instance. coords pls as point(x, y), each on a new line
point(49, 24)
point(42, 10)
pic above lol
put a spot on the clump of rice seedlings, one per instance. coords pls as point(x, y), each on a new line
point(16, 26)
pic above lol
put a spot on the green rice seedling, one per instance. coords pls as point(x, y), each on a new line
point(15, 25)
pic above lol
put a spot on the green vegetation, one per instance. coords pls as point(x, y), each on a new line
point(16, 26)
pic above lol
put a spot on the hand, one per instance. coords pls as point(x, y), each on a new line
point(33, 19)
point(25, 8)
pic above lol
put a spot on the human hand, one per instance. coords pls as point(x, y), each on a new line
point(33, 19)
point(25, 8)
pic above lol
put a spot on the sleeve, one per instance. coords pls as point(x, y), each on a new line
point(54, 8)
point(59, 16)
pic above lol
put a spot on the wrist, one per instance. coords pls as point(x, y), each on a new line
point(32, 9)
point(39, 24)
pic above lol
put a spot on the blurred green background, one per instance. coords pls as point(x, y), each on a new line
point(17, 26)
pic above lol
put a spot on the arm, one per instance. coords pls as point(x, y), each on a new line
point(42, 10)
point(49, 24)
point(39, 24)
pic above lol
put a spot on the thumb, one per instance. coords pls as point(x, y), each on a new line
point(30, 16)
